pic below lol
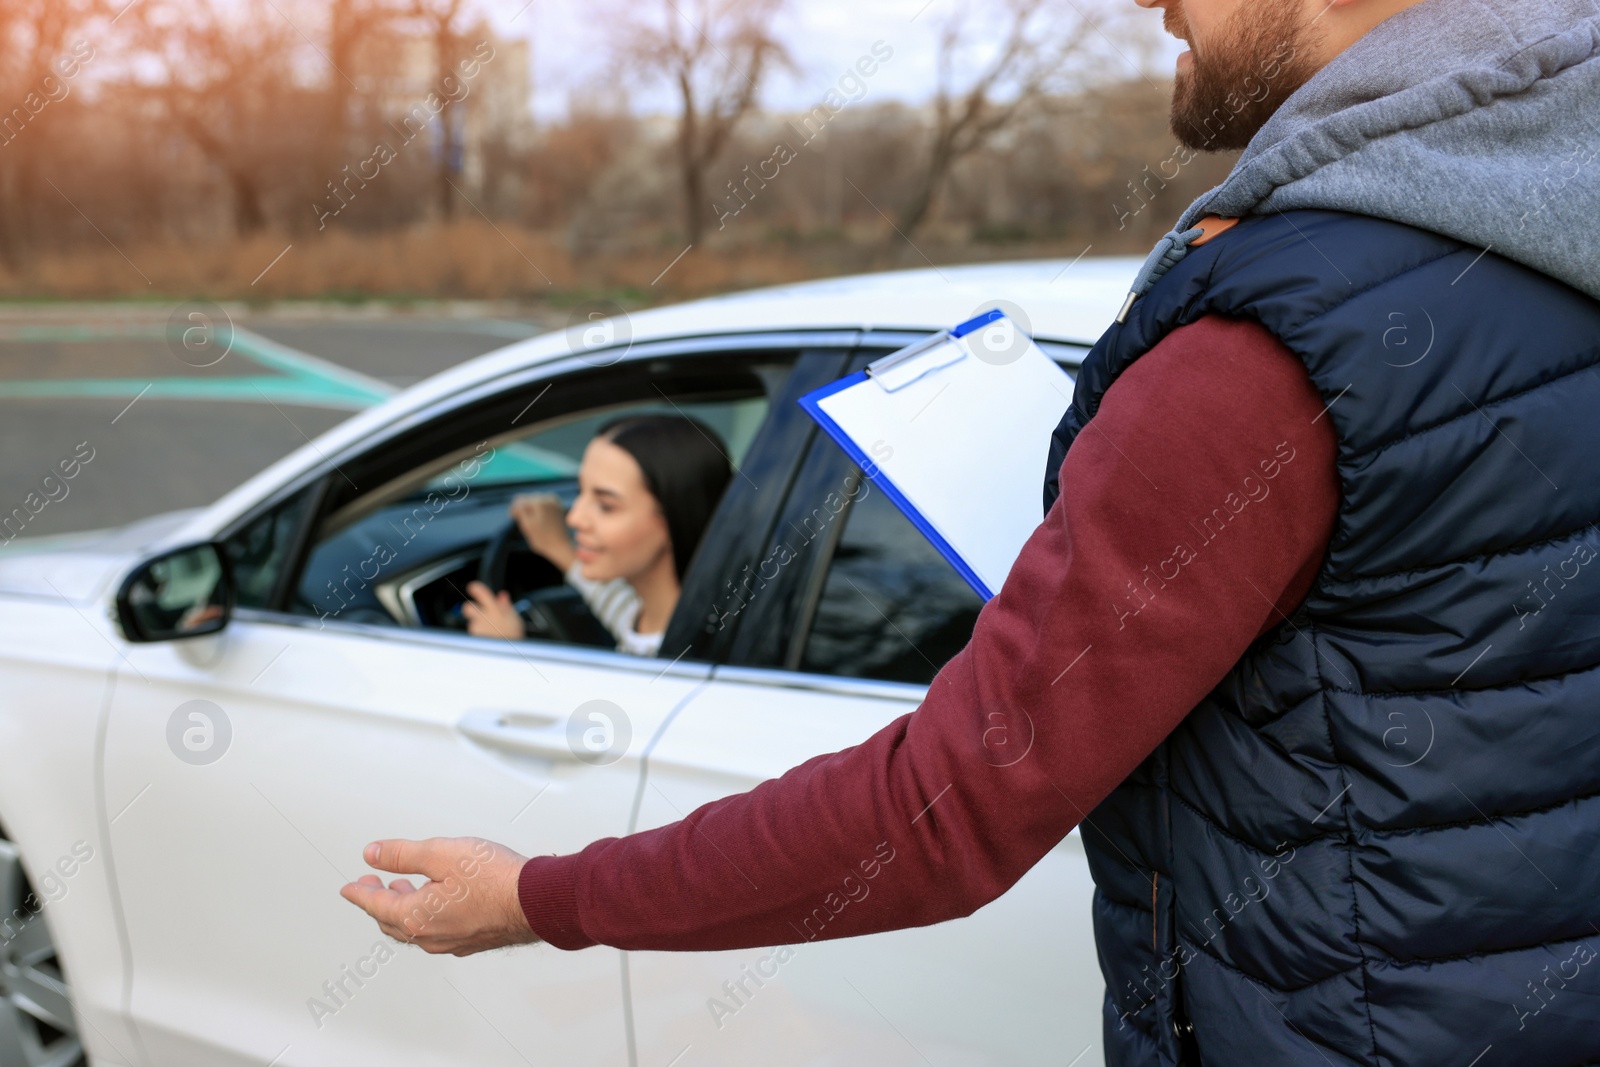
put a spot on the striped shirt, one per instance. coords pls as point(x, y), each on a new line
point(617, 605)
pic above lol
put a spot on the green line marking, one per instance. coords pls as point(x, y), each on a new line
point(341, 381)
point(126, 332)
point(302, 379)
point(254, 390)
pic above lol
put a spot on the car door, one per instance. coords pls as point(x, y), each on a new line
point(832, 645)
point(245, 771)
point(229, 871)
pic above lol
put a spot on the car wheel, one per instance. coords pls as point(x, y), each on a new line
point(37, 1028)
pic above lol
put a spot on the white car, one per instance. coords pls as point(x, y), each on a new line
point(179, 814)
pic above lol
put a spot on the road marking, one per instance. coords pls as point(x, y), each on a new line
point(302, 379)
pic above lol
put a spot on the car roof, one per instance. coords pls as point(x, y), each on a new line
point(1071, 301)
point(1064, 300)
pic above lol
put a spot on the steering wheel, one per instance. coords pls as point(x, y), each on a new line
point(542, 622)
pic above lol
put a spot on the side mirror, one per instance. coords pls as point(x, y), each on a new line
point(185, 593)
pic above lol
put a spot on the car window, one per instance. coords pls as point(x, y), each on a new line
point(408, 525)
point(259, 551)
point(891, 607)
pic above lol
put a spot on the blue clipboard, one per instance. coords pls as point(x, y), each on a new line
point(933, 366)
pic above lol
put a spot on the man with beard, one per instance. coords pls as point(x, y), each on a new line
point(1340, 781)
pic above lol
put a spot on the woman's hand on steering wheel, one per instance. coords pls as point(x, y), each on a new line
point(490, 614)
point(542, 519)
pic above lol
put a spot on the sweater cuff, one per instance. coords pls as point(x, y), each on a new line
point(547, 889)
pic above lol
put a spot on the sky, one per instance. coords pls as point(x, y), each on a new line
point(825, 36)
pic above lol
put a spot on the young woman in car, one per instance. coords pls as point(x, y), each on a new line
point(646, 490)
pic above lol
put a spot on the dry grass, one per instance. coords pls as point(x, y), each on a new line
point(469, 260)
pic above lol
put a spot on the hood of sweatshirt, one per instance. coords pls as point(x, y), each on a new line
point(1477, 119)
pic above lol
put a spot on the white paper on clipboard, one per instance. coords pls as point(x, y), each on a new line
point(956, 431)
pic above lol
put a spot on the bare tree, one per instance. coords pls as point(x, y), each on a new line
point(227, 85)
point(1039, 52)
point(37, 38)
point(715, 55)
point(439, 17)
point(350, 25)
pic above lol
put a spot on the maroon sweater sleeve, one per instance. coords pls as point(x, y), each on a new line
point(1195, 510)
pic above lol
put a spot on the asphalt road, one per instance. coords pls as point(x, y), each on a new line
point(147, 417)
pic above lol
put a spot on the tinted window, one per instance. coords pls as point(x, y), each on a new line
point(260, 551)
point(892, 608)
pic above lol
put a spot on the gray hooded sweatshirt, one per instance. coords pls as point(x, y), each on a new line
point(1477, 119)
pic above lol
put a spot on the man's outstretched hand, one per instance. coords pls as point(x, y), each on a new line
point(469, 903)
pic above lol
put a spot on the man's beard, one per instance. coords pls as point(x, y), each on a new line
point(1258, 58)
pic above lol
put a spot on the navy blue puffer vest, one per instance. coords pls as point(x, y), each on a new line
point(1377, 841)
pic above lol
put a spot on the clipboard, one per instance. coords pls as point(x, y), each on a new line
point(955, 430)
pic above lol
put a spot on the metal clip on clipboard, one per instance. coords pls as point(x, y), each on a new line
point(899, 369)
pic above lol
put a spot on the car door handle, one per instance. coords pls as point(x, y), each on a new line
point(526, 733)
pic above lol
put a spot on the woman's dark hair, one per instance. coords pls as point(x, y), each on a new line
point(685, 468)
